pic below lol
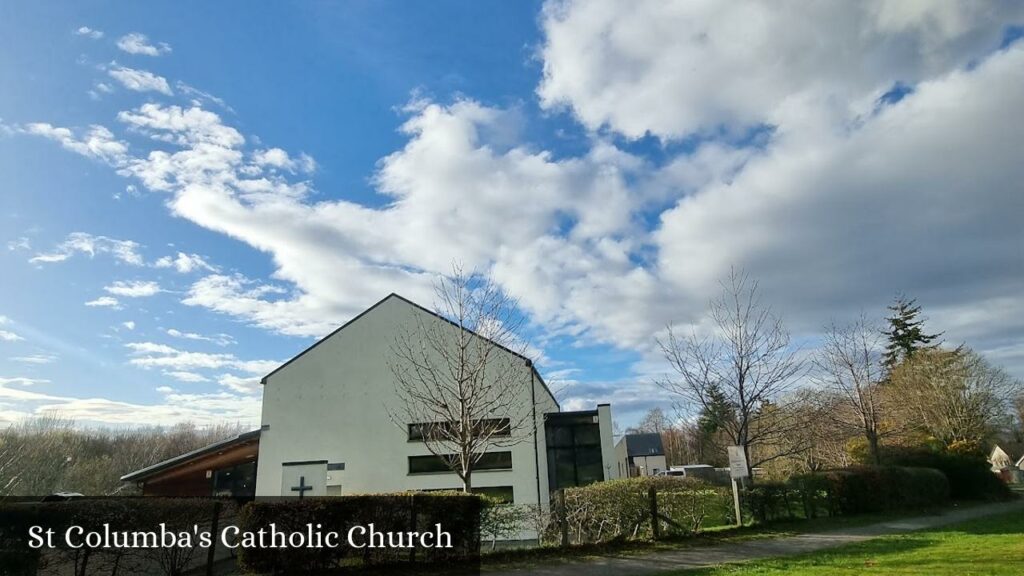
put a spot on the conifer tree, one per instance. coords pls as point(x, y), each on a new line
point(906, 332)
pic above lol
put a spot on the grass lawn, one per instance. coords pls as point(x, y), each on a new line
point(990, 546)
point(524, 558)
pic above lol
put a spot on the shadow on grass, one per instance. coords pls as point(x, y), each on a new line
point(865, 554)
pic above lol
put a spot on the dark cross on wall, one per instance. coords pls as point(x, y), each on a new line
point(302, 487)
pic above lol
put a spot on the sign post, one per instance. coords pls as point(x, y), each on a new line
point(737, 470)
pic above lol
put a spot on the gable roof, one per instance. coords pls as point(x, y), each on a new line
point(645, 444)
point(528, 361)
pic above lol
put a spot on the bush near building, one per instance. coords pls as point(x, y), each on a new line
point(848, 491)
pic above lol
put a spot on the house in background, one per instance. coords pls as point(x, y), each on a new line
point(327, 430)
point(640, 455)
point(1008, 462)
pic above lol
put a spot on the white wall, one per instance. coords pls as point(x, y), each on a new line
point(330, 404)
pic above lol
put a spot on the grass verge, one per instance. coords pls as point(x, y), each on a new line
point(992, 546)
point(524, 558)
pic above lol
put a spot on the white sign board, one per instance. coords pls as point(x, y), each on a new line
point(737, 462)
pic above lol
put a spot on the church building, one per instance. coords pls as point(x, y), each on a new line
point(328, 429)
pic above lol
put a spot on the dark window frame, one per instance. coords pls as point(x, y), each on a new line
point(433, 464)
point(414, 431)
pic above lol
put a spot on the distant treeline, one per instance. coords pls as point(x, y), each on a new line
point(47, 454)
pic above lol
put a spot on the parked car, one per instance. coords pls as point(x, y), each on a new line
point(699, 471)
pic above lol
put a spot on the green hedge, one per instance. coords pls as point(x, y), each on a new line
point(96, 515)
point(848, 491)
point(458, 513)
point(970, 476)
point(620, 509)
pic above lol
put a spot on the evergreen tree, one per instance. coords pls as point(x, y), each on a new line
point(906, 333)
point(717, 413)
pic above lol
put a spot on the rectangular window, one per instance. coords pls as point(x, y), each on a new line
point(237, 481)
point(432, 464)
point(574, 449)
point(494, 427)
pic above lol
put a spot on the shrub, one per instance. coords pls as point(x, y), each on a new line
point(847, 491)
point(970, 476)
point(458, 513)
point(620, 509)
point(179, 515)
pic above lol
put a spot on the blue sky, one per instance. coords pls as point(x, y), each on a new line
point(191, 193)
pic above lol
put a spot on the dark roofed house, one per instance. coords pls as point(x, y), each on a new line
point(225, 468)
point(640, 455)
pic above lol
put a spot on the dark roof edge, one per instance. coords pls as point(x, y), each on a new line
point(428, 311)
point(148, 471)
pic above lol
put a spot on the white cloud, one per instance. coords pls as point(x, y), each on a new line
point(26, 382)
point(128, 325)
point(184, 263)
point(35, 359)
point(98, 143)
point(22, 243)
point(185, 376)
point(838, 206)
point(125, 251)
point(136, 43)
point(173, 407)
point(104, 302)
point(240, 384)
point(7, 335)
point(134, 289)
point(140, 80)
point(278, 158)
point(219, 339)
point(171, 360)
point(676, 68)
point(89, 32)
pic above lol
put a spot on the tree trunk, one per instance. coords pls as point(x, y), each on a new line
point(873, 451)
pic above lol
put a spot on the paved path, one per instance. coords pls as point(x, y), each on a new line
point(702, 556)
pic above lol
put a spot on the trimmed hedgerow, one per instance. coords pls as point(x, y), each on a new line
point(848, 491)
point(970, 475)
point(620, 509)
point(458, 513)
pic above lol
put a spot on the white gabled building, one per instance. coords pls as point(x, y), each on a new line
point(326, 428)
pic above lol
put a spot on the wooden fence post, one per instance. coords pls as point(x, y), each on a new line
point(213, 542)
point(652, 496)
point(562, 516)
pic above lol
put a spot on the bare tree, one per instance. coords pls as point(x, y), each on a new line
point(748, 362)
point(463, 382)
point(850, 369)
point(954, 396)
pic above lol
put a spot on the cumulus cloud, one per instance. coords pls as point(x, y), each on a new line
point(104, 302)
point(184, 263)
point(136, 43)
point(173, 406)
point(89, 32)
point(97, 143)
point(8, 336)
point(173, 360)
point(134, 288)
point(843, 198)
point(673, 69)
point(140, 80)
